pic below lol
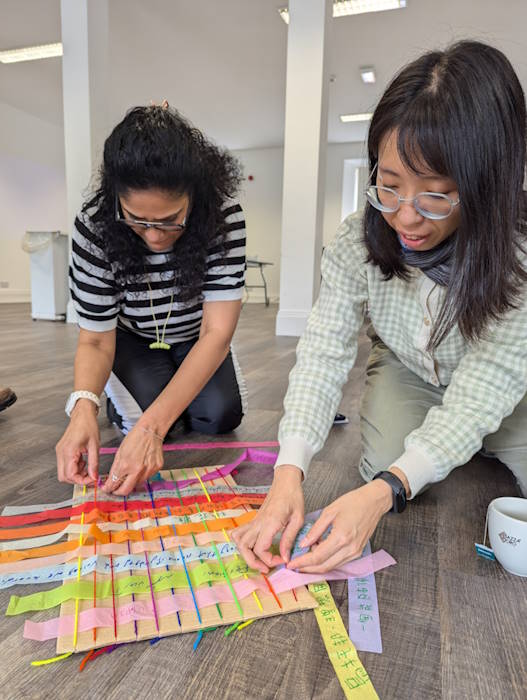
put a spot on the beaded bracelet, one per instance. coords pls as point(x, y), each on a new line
point(150, 432)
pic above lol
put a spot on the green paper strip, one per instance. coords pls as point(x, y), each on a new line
point(83, 590)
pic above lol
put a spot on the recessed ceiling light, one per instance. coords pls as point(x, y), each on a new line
point(31, 53)
point(342, 8)
point(364, 117)
point(367, 73)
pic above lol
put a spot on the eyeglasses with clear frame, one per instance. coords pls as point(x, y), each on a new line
point(138, 223)
point(431, 205)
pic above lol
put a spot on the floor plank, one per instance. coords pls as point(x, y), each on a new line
point(453, 625)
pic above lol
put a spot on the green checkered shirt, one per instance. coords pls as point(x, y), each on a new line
point(484, 380)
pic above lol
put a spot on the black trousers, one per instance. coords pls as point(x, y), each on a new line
point(139, 375)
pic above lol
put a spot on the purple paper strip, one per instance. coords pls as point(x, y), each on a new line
point(364, 622)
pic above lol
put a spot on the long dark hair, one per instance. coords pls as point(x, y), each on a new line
point(461, 112)
point(156, 148)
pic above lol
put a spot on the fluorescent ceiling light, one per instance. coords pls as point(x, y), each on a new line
point(367, 73)
point(31, 53)
point(342, 8)
point(365, 117)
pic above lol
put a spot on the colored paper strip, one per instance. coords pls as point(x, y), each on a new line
point(103, 565)
point(123, 535)
point(101, 498)
point(364, 624)
point(70, 549)
point(352, 675)
point(107, 505)
point(113, 548)
point(140, 610)
point(358, 567)
point(200, 446)
point(283, 580)
point(115, 526)
point(83, 590)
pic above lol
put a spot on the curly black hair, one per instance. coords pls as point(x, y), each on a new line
point(156, 148)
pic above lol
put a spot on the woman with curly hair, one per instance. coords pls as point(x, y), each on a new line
point(156, 278)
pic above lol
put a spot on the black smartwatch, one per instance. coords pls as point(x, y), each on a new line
point(398, 490)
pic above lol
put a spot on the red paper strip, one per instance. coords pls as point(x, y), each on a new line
point(113, 506)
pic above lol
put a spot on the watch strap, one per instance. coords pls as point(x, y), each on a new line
point(398, 490)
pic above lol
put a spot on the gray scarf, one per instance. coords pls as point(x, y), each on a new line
point(435, 263)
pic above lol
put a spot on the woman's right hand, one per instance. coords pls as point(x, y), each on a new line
point(81, 436)
point(282, 511)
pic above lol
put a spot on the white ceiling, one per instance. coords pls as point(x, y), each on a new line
point(223, 63)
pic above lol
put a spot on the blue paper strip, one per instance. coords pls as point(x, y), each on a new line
point(103, 565)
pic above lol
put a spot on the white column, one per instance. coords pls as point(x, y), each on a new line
point(304, 161)
point(84, 88)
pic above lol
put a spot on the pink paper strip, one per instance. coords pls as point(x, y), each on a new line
point(285, 579)
point(139, 610)
point(281, 580)
point(199, 446)
point(249, 455)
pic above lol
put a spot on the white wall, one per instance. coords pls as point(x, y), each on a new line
point(337, 153)
point(261, 199)
point(33, 197)
point(32, 192)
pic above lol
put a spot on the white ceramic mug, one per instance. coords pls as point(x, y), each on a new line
point(507, 524)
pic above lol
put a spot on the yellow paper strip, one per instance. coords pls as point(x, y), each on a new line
point(352, 675)
point(44, 662)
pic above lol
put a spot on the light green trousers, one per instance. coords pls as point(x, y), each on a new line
point(396, 402)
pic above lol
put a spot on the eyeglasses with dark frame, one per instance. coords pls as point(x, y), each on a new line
point(431, 205)
point(138, 223)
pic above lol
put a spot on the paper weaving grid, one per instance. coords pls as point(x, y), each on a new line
point(168, 624)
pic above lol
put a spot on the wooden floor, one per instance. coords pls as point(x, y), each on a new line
point(453, 625)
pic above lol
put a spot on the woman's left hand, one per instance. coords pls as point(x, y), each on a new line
point(353, 519)
point(139, 457)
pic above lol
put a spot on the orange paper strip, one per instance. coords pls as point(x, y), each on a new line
point(126, 535)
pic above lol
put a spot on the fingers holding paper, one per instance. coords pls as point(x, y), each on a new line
point(139, 457)
point(78, 449)
point(352, 518)
point(281, 512)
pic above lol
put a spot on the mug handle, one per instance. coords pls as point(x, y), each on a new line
point(485, 532)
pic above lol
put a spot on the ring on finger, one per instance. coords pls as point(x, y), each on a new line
point(116, 478)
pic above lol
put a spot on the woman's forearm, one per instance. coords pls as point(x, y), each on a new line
point(198, 367)
point(93, 361)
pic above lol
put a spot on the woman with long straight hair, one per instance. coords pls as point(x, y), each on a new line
point(438, 263)
point(156, 278)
